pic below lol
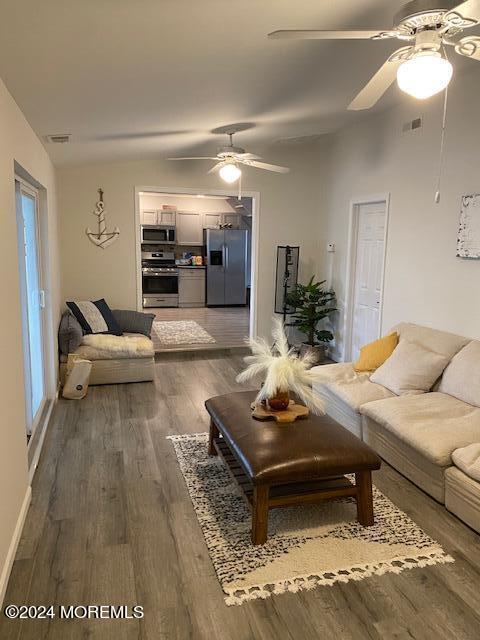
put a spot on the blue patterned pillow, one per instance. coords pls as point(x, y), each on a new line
point(95, 316)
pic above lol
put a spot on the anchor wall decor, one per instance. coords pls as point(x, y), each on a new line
point(102, 238)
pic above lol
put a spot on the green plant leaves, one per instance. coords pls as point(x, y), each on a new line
point(312, 303)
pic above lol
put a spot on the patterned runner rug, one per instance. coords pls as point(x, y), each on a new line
point(307, 546)
point(173, 332)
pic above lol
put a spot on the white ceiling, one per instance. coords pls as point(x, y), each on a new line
point(136, 78)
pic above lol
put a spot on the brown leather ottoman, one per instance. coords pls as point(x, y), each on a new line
point(282, 465)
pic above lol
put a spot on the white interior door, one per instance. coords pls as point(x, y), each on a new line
point(368, 275)
point(32, 298)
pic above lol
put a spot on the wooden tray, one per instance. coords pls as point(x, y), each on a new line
point(294, 412)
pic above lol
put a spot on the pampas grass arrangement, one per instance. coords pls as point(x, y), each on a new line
point(284, 371)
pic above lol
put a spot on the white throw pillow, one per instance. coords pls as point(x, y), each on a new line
point(467, 459)
point(411, 369)
point(461, 379)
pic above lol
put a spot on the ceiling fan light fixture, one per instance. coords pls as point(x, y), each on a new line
point(424, 75)
point(230, 173)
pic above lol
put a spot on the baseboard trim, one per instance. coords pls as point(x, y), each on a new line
point(44, 428)
point(7, 567)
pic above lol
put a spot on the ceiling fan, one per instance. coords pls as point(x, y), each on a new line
point(421, 68)
point(229, 157)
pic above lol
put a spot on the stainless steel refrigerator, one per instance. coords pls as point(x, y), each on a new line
point(226, 266)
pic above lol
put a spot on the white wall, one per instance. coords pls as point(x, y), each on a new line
point(18, 143)
point(288, 213)
point(424, 281)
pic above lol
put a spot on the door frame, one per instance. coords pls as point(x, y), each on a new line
point(33, 192)
point(355, 204)
point(255, 195)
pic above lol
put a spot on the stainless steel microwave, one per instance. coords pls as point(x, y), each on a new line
point(154, 234)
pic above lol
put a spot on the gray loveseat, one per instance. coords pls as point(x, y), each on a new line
point(115, 359)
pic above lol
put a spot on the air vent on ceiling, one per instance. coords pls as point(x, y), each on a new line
point(58, 138)
point(412, 125)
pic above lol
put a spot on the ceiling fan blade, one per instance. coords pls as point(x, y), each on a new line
point(312, 34)
point(464, 15)
point(265, 165)
point(194, 158)
point(469, 47)
point(248, 156)
point(380, 82)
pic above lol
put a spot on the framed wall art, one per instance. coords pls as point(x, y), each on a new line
point(468, 239)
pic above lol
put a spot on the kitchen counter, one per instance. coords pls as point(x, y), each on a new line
point(189, 266)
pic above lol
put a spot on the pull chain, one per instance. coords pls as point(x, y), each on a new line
point(442, 141)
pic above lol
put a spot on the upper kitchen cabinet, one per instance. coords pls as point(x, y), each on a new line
point(189, 228)
point(212, 220)
point(167, 218)
point(217, 220)
point(148, 217)
point(158, 217)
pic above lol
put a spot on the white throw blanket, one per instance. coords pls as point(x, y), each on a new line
point(107, 347)
point(467, 459)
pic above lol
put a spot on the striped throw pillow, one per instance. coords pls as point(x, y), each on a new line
point(95, 316)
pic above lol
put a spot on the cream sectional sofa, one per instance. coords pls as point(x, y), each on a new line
point(417, 433)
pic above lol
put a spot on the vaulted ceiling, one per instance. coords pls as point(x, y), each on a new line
point(136, 78)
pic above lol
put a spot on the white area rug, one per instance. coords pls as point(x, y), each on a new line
point(173, 332)
point(307, 546)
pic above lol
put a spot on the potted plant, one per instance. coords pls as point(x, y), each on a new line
point(312, 303)
point(284, 372)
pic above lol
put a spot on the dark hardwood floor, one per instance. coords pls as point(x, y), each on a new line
point(111, 523)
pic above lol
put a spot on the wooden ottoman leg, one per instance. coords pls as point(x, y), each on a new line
point(363, 482)
point(214, 433)
point(260, 514)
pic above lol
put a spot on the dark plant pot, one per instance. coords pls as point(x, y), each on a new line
point(318, 350)
point(280, 401)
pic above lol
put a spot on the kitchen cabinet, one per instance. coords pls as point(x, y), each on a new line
point(191, 287)
point(217, 220)
point(158, 217)
point(212, 220)
point(148, 217)
point(167, 218)
point(189, 228)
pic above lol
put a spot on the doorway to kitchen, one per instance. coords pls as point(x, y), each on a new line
point(196, 266)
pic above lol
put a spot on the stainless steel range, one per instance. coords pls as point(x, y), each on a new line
point(159, 279)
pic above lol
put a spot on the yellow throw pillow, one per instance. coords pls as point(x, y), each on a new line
point(373, 355)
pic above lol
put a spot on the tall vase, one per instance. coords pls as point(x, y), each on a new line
point(280, 401)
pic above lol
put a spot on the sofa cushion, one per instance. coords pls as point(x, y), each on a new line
point(432, 339)
point(358, 391)
point(351, 387)
point(70, 334)
point(462, 376)
point(374, 354)
point(410, 369)
point(107, 347)
point(95, 316)
point(434, 424)
point(134, 321)
point(335, 372)
point(468, 460)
